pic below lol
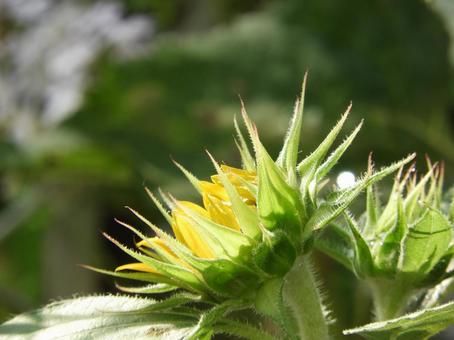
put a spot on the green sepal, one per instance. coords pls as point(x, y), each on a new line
point(278, 204)
point(363, 263)
point(148, 289)
point(246, 158)
point(372, 211)
point(338, 201)
point(337, 243)
point(173, 301)
point(372, 204)
point(229, 279)
point(388, 254)
point(411, 203)
point(206, 324)
point(388, 214)
point(137, 276)
point(275, 256)
point(308, 166)
point(160, 207)
point(332, 159)
point(288, 156)
point(191, 178)
point(182, 276)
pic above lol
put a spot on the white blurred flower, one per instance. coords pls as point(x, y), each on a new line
point(48, 58)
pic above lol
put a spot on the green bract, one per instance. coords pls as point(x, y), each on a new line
point(253, 222)
point(401, 248)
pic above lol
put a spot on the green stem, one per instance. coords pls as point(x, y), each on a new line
point(301, 295)
point(243, 330)
point(390, 298)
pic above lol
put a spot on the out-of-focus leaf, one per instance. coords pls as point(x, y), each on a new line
point(415, 326)
point(99, 317)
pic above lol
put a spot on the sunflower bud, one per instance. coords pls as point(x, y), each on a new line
point(402, 246)
point(251, 223)
point(409, 238)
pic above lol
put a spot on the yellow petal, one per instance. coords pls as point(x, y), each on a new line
point(220, 212)
point(214, 190)
point(154, 241)
point(237, 178)
point(140, 267)
point(249, 176)
point(186, 233)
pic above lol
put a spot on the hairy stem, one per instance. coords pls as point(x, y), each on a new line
point(243, 330)
point(390, 298)
point(301, 295)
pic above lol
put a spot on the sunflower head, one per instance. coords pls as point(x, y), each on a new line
point(251, 222)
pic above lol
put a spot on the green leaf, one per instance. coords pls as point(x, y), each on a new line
point(96, 317)
point(415, 326)
point(425, 244)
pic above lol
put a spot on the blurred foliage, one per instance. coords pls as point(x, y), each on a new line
point(390, 58)
point(192, 14)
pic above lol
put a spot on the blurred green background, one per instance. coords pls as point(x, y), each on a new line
point(63, 183)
